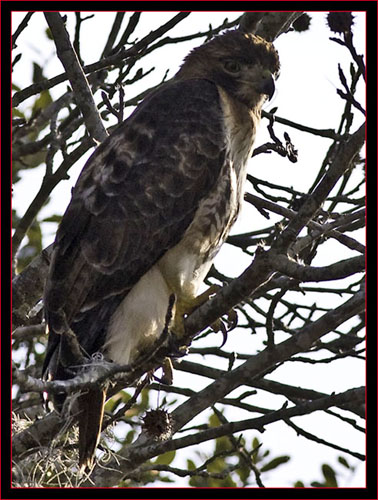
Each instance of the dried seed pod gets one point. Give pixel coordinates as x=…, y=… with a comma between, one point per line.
x=340, y=22
x=158, y=423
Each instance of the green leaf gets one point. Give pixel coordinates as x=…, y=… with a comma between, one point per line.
x=244, y=473
x=216, y=465
x=165, y=458
x=166, y=479
x=256, y=446
x=37, y=73
x=33, y=246
x=113, y=403
x=42, y=101
x=343, y=462
x=16, y=87
x=198, y=482
x=15, y=218
x=129, y=437
x=16, y=113
x=53, y=218
x=316, y=484
x=299, y=484
x=228, y=482
x=190, y=464
x=275, y=463
x=222, y=444
x=214, y=421
x=29, y=161
x=330, y=475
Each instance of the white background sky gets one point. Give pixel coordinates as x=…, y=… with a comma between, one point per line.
x=305, y=94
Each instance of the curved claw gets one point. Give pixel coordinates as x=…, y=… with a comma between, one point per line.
x=224, y=333
x=219, y=326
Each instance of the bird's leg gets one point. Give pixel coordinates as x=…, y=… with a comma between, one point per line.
x=185, y=307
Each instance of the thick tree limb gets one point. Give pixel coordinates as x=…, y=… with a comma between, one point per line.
x=262, y=361
x=76, y=76
x=38, y=434
x=293, y=393
x=301, y=272
x=27, y=287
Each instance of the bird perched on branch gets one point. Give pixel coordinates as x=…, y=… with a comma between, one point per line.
x=150, y=211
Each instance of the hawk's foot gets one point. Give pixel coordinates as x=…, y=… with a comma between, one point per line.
x=185, y=307
x=219, y=325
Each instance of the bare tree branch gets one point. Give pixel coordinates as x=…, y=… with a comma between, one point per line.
x=75, y=74
x=49, y=182
x=141, y=450
x=21, y=28
x=301, y=272
x=259, y=363
x=319, y=229
x=136, y=50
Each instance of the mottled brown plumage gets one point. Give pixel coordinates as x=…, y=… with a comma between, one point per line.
x=151, y=209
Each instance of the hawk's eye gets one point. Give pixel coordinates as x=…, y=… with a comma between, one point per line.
x=232, y=66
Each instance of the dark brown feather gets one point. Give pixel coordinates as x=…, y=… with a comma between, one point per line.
x=91, y=412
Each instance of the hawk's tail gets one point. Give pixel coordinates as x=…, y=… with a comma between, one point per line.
x=91, y=411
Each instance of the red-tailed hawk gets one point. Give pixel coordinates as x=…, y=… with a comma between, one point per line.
x=151, y=209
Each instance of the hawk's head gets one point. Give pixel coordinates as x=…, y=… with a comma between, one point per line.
x=245, y=65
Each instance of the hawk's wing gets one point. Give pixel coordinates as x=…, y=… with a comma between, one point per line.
x=133, y=201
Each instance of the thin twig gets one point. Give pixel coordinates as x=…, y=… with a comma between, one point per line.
x=312, y=437
x=21, y=28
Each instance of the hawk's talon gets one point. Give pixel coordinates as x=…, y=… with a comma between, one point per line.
x=219, y=325
x=175, y=350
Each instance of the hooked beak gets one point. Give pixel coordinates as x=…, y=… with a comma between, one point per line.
x=267, y=85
